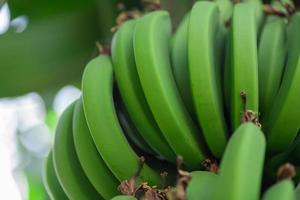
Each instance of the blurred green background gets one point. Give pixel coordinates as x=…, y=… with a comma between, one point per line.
x=44, y=46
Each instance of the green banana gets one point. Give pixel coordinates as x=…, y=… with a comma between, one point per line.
x=179, y=59
x=203, y=67
x=93, y=165
x=123, y=197
x=66, y=164
x=226, y=9
x=201, y=186
x=259, y=14
x=243, y=62
x=242, y=165
x=52, y=185
x=132, y=94
x=97, y=86
x=151, y=48
x=283, y=190
x=283, y=122
x=271, y=61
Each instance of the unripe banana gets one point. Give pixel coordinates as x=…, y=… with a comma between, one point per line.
x=243, y=63
x=93, y=165
x=283, y=190
x=201, y=186
x=131, y=91
x=242, y=165
x=259, y=15
x=271, y=61
x=204, y=74
x=97, y=88
x=226, y=9
x=68, y=169
x=283, y=122
x=151, y=48
x=179, y=60
x=52, y=185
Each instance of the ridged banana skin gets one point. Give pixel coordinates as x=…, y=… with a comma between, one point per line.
x=244, y=62
x=201, y=186
x=283, y=190
x=131, y=91
x=203, y=67
x=52, y=185
x=242, y=165
x=93, y=165
x=226, y=11
x=151, y=48
x=179, y=58
x=67, y=167
x=271, y=61
x=259, y=14
x=123, y=197
x=283, y=123
x=97, y=88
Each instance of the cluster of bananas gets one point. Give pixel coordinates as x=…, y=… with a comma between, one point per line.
x=225, y=86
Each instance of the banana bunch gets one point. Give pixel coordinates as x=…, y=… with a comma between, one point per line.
x=160, y=111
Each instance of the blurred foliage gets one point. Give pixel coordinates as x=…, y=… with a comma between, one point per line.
x=59, y=41
x=50, y=52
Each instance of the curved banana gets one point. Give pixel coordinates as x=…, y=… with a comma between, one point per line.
x=123, y=197
x=243, y=63
x=52, y=185
x=283, y=190
x=93, y=165
x=97, y=88
x=179, y=59
x=151, y=48
x=68, y=169
x=242, y=165
x=271, y=61
x=283, y=122
x=201, y=186
x=259, y=14
x=131, y=91
x=226, y=9
x=203, y=67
